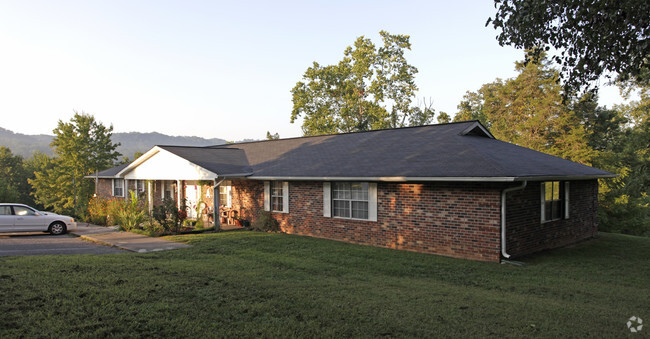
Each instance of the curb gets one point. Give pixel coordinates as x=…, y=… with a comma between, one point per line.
x=105, y=243
x=136, y=245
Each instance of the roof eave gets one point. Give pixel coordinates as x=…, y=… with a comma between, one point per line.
x=433, y=179
x=90, y=176
x=566, y=177
x=386, y=179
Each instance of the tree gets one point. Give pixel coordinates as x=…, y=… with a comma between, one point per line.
x=13, y=178
x=592, y=37
x=529, y=111
x=81, y=146
x=371, y=88
x=270, y=136
x=444, y=118
x=626, y=199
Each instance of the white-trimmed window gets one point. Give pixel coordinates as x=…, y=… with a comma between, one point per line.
x=139, y=184
x=167, y=191
x=118, y=187
x=225, y=193
x=554, y=200
x=350, y=200
x=276, y=196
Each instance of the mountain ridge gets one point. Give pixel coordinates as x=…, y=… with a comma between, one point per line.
x=130, y=142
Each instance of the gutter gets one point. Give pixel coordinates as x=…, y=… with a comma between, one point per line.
x=503, y=216
x=431, y=179
x=387, y=179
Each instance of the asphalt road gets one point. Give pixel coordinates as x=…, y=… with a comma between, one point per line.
x=45, y=244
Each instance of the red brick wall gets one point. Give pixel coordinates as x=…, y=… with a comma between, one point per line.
x=105, y=188
x=248, y=197
x=453, y=219
x=527, y=234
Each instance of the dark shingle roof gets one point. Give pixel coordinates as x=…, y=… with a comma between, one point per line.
x=108, y=173
x=456, y=150
x=217, y=160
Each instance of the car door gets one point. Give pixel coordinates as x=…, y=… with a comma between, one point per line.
x=6, y=219
x=26, y=219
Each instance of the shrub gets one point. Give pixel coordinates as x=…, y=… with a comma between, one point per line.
x=265, y=222
x=114, y=206
x=98, y=211
x=132, y=214
x=169, y=216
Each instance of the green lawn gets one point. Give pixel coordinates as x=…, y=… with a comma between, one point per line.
x=276, y=285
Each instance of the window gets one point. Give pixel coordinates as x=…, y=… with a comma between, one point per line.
x=350, y=200
x=276, y=196
x=5, y=210
x=139, y=184
x=118, y=187
x=167, y=190
x=19, y=210
x=225, y=193
x=555, y=200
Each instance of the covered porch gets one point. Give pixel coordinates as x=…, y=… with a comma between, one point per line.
x=197, y=178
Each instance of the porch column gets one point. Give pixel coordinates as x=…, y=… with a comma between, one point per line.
x=149, y=196
x=126, y=189
x=216, y=215
x=178, y=194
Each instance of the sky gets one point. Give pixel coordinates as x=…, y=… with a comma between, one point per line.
x=222, y=69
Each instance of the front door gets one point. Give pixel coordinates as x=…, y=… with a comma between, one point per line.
x=191, y=198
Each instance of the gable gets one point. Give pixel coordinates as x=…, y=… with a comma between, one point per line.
x=160, y=164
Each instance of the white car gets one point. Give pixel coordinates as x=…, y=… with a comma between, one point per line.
x=22, y=218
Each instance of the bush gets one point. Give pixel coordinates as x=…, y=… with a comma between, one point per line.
x=98, y=211
x=265, y=222
x=132, y=214
x=114, y=207
x=169, y=216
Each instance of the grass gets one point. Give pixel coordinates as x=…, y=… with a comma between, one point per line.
x=249, y=284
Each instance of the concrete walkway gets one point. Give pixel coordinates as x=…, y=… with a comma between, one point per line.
x=110, y=236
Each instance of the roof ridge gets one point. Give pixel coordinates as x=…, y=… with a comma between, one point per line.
x=347, y=133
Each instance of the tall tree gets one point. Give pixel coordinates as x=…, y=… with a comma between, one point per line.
x=621, y=136
x=529, y=111
x=81, y=146
x=13, y=178
x=370, y=88
x=592, y=37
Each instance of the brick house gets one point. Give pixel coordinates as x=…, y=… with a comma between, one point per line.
x=449, y=189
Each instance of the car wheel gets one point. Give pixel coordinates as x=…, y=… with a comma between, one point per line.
x=57, y=228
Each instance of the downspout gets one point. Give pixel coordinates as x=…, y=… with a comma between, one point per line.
x=216, y=216
x=503, y=216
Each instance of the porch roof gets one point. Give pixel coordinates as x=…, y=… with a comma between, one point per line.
x=186, y=163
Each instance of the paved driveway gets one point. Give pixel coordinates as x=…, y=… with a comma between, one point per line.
x=45, y=244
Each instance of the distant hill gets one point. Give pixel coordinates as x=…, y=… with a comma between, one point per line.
x=25, y=145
